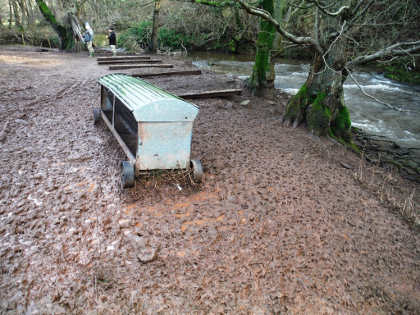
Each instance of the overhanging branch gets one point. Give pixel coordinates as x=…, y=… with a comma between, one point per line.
x=214, y=3
x=268, y=17
x=359, y=12
x=374, y=98
x=323, y=9
x=395, y=50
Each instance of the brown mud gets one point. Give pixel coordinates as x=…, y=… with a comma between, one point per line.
x=283, y=222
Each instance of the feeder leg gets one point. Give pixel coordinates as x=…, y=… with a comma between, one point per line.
x=96, y=115
x=197, y=170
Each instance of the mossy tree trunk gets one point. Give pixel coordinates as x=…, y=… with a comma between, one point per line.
x=320, y=101
x=64, y=32
x=155, y=28
x=262, y=77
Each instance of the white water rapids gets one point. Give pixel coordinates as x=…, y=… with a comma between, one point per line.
x=365, y=113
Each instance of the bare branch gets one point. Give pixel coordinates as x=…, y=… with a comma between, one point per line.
x=316, y=26
x=385, y=24
x=212, y=3
x=374, y=98
x=300, y=6
x=358, y=13
x=324, y=8
x=329, y=48
x=295, y=10
x=388, y=52
x=268, y=17
x=357, y=7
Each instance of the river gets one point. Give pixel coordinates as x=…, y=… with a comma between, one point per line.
x=365, y=113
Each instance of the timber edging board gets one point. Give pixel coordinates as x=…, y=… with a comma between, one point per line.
x=114, y=58
x=162, y=74
x=124, y=67
x=111, y=62
x=209, y=94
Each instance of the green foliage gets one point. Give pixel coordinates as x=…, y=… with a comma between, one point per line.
x=143, y=32
x=232, y=46
x=53, y=42
x=204, y=27
x=404, y=69
x=136, y=37
x=193, y=27
x=140, y=36
x=399, y=73
x=42, y=37
x=35, y=35
x=100, y=40
x=169, y=38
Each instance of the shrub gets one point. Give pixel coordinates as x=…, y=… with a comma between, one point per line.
x=140, y=36
x=170, y=39
x=36, y=35
x=100, y=40
x=402, y=70
x=215, y=29
x=136, y=37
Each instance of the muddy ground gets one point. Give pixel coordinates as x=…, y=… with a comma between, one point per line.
x=283, y=222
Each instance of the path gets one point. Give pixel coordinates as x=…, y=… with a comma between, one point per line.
x=277, y=226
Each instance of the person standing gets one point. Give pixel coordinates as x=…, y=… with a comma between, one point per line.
x=112, y=41
x=88, y=39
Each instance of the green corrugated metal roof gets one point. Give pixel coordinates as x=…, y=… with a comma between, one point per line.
x=138, y=95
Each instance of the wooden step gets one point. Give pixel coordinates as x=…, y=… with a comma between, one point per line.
x=170, y=73
x=211, y=94
x=115, y=62
x=138, y=66
x=116, y=58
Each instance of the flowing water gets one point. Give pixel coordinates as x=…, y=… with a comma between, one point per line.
x=367, y=114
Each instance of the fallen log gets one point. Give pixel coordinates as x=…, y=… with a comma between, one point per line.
x=162, y=74
x=125, y=67
x=129, y=57
x=129, y=61
x=210, y=94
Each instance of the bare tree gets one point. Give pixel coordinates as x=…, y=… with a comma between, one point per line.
x=262, y=77
x=320, y=101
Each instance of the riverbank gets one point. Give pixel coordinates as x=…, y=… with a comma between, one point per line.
x=283, y=221
x=388, y=154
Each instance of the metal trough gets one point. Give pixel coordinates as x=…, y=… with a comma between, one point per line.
x=153, y=127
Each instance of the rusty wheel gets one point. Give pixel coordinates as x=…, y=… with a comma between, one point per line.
x=197, y=170
x=127, y=177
